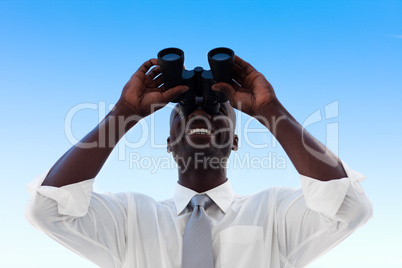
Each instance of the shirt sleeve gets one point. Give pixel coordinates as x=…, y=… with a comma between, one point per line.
x=314, y=219
x=72, y=200
x=326, y=197
x=90, y=224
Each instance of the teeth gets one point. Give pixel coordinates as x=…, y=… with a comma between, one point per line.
x=201, y=131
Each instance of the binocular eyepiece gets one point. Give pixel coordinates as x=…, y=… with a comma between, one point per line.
x=199, y=81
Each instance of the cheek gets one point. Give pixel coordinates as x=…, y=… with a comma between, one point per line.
x=225, y=126
x=224, y=136
x=177, y=126
x=177, y=133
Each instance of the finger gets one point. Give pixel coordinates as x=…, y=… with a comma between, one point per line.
x=154, y=72
x=239, y=72
x=244, y=65
x=150, y=76
x=172, y=93
x=153, y=79
x=225, y=88
x=147, y=65
x=151, y=83
x=158, y=80
x=236, y=85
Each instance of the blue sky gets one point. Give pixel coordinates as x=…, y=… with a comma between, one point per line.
x=341, y=55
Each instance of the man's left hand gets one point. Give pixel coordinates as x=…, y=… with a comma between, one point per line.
x=250, y=92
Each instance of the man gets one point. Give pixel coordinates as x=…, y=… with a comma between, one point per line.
x=278, y=227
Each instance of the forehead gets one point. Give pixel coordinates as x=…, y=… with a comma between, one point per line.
x=226, y=105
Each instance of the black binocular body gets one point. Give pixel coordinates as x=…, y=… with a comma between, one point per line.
x=199, y=81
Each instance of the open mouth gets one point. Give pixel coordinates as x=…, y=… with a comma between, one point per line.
x=199, y=131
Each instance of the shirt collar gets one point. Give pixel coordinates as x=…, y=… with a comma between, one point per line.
x=222, y=195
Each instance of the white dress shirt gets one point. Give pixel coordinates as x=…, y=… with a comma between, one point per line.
x=277, y=227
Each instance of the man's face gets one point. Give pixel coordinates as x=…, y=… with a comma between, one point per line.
x=200, y=132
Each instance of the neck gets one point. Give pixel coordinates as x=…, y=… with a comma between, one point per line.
x=202, y=177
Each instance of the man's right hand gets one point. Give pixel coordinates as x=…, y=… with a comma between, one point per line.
x=144, y=92
x=142, y=95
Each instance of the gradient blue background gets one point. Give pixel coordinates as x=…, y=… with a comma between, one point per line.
x=55, y=55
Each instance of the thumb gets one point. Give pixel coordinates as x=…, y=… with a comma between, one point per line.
x=225, y=88
x=172, y=93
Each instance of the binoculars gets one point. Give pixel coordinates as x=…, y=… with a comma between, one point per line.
x=200, y=94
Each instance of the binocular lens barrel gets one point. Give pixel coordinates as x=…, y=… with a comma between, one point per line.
x=170, y=57
x=199, y=81
x=171, y=62
x=221, y=61
x=220, y=56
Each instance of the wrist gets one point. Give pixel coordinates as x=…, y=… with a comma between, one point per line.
x=125, y=114
x=272, y=113
x=268, y=109
x=123, y=108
